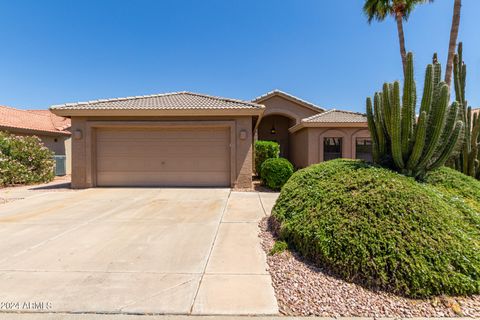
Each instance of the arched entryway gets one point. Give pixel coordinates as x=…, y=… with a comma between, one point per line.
x=275, y=128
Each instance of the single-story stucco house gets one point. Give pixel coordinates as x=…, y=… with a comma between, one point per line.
x=190, y=139
x=51, y=129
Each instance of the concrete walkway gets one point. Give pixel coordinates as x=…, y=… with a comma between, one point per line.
x=136, y=251
x=10, y=194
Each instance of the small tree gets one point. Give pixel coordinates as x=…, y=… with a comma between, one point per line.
x=24, y=160
x=401, y=142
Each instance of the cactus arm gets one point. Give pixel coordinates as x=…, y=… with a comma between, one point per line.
x=449, y=146
x=450, y=121
x=379, y=124
x=408, y=108
x=462, y=73
x=463, y=81
x=437, y=71
x=427, y=90
x=456, y=79
x=436, y=124
x=373, y=131
x=396, y=136
x=387, y=109
x=473, y=162
x=419, y=144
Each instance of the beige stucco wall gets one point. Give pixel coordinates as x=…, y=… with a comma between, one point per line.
x=62, y=146
x=286, y=113
x=83, y=150
x=299, y=149
x=315, y=136
x=57, y=144
x=283, y=106
x=68, y=155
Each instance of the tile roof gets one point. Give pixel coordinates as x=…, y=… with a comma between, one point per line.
x=174, y=100
x=60, y=123
x=291, y=97
x=334, y=116
x=35, y=120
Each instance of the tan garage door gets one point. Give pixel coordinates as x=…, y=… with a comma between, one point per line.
x=197, y=156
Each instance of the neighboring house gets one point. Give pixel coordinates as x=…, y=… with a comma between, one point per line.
x=52, y=130
x=190, y=139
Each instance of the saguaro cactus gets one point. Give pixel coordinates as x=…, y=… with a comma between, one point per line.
x=400, y=141
x=467, y=159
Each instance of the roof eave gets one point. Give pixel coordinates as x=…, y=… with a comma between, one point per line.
x=157, y=112
x=288, y=97
x=303, y=125
x=34, y=131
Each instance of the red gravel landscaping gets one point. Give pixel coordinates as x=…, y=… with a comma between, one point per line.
x=305, y=290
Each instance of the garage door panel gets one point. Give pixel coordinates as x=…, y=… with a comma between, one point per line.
x=138, y=164
x=162, y=149
x=196, y=156
x=169, y=179
x=172, y=134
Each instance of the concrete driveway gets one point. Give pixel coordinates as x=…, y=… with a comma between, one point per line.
x=166, y=251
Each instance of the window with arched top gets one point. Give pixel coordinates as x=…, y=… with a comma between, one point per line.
x=332, y=144
x=362, y=145
x=332, y=148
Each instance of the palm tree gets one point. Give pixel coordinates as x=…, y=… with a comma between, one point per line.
x=453, y=40
x=399, y=9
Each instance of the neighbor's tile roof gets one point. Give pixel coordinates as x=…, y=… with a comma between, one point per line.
x=36, y=120
x=175, y=100
x=332, y=116
x=60, y=123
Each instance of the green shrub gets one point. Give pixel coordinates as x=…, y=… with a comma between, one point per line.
x=24, y=160
x=458, y=189
x=265, y=150
x=275, y=172
x=383, y=230
x=278, y=247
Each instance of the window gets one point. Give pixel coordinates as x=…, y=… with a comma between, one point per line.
x=363, y=149
x=332, y=148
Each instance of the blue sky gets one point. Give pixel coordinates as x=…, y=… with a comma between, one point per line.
x=62, y=51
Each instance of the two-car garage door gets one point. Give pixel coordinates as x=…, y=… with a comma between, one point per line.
x=177, y=156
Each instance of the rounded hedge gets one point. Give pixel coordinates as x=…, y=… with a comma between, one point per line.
x=265, y=150
x=382, y=230
x=275, y=172
x=24, y=160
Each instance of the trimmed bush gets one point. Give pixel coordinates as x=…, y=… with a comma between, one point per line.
x=24, y=160
x=265, y=150
x=383, y=230
x=275, y=172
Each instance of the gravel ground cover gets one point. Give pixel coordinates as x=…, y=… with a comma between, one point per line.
x=305, y=290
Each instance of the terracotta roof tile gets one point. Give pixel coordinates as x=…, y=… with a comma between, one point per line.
x=333, y=116
x=175, y=100
x=277, y=92
x=36, y=120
